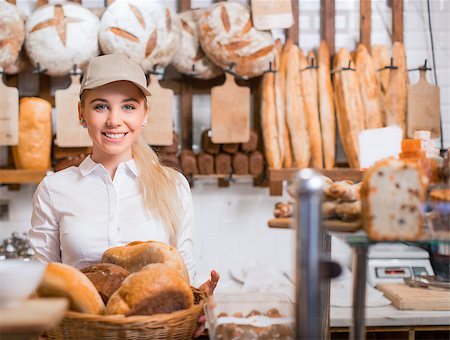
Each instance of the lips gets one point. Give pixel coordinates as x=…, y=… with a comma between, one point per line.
x=114, y=136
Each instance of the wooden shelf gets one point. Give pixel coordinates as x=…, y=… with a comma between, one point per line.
x=19, y=176
x=277, y=176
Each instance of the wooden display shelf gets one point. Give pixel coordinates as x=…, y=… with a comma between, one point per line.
x=20, y=176
x=277, y=176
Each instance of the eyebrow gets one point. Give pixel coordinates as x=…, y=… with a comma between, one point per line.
x=126, y=100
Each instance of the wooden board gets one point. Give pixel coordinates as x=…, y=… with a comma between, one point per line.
x=423, y=108
x=69, y=132
x=159, y=129
x=34, y=316
x=330, y=225
x=405, y=297
x=9, y=115
x=269, y=14
x=15, y=176
x=230, y=112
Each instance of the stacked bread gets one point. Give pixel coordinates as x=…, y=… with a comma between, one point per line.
x=141, y=278
x=12, y=34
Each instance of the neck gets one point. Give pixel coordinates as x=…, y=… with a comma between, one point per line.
x=110, y=162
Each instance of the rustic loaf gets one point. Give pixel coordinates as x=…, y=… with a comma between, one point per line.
x=147, y=32
x=227, y=36
x=35, y=134
x=190, y=58
x=391, y=193
x=60, y=36
x=61, y=280
x=12, y=34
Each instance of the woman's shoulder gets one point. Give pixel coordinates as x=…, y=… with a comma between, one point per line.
x=62, y=177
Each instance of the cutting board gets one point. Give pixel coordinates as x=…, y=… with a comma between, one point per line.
x=423, y=107
x=269, y=14
x=9, y=115
x=69, y=132
x=330, y=225
x=159, y=129
x=405, y=297
x=230, y=112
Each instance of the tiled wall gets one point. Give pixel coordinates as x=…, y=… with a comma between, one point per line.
x=230, y=225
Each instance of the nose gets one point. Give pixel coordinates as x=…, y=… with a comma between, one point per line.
x=114, y=118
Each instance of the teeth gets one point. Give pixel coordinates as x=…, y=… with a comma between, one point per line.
x=115, y=135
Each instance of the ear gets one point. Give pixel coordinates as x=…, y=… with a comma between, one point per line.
x=80, y=111
x=145, y=120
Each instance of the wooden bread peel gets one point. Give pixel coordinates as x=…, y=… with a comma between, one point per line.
x=330, y=225
x=9, y=115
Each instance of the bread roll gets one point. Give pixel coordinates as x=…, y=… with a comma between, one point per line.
x=279, y=100
x=35, y=134
x=155, y=289
x=282, y=70
x=171, y=160
x=296, y=111
x=208, y=145
x=240, y=163
x=381, y=58
x=205, y=163
x=190, y=58
x=227, y=36
x=346, y=211
x=256, y=163
x=345, y=191
x=230, y=147
x=311, y=102
x=188, y=163
x=12, y=34
x=60, y=36
x=370, y=88
x=61, y=280
x=106, y=277
x=223, y=164
x=147, y=32
x=136, y=255
x=326, y=106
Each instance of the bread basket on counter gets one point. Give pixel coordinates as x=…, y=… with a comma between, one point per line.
x=177, y=325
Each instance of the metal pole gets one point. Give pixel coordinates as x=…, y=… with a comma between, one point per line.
x=309, y=314
x=358, y=330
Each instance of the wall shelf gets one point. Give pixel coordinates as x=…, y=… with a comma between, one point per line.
x=20, y=176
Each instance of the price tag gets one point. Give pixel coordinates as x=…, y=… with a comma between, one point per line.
x=269, y=14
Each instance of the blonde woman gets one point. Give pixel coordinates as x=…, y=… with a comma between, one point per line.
x=120, y=193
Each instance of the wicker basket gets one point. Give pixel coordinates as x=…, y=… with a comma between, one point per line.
x=176, y=325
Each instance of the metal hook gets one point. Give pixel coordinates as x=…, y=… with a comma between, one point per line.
x=230, y=178
x=154, y=70
x=312, y=66
x=75, y=70
x=271, y=69
x=423, y=67
x=192, y=73
x=391, y=66
x=38, y=69
x=230, y=69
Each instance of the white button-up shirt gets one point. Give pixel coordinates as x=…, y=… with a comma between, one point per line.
x=80, y=212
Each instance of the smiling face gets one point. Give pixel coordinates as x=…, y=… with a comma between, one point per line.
x=114, y=115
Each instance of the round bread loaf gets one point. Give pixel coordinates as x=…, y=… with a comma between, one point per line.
x=227, y=36
x=12, y=34
x=156, y=289
x=60, y=36
x=146, y=31
x=136, y=255
x=190, y=58
x=106, y=277
x=61, y=280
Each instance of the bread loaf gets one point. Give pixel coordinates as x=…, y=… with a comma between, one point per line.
x=381, y=58
x=256, y=163
x=252, y=143
x=296, y=112
x=61, y=280
x=12, y=34
x=172, y=148
x=171, y=160
x=326, y=106
x=106, y=278
x=310, y=98
x=35, y=134
x=147, y=32
x=227, y=36
x=188, y=163
x=350, y=110
x=240, y=163
x=346, y=211
x=223, y=164
x=282, y=70
x=60, y=36
x=230, y=147
x=136, y=255
x=392, y=192
x=205, y=163
x=190, y=58
x=208, y=145
x=370, y=88
x=279, y=100
x=155, y=289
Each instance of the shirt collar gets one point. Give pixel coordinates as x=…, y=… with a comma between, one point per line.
x=88, y=165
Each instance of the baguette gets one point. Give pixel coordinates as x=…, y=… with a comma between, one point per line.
x=350, y=110
x=279, y=100
x=326, y=106
x=287, y=161
x=310, y=98
x=380, y=55
x=296, y=112
x=369, y=86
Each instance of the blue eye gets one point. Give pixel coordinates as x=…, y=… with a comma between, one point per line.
x=101, y=107
x=128, y=107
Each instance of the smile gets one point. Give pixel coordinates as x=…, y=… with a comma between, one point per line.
x=115, y=136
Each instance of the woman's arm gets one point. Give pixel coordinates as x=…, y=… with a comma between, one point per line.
x=44, y=232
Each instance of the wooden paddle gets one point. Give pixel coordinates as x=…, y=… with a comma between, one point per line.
x=9, y=115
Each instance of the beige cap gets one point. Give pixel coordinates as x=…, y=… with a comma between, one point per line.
x=109, y=68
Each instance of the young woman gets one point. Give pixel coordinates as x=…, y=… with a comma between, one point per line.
x=120, y=193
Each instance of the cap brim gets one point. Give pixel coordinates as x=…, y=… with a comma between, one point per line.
x=106, y=80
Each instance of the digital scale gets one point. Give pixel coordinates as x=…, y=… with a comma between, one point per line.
x=392, y=262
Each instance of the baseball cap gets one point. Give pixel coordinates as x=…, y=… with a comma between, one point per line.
x=109, y=68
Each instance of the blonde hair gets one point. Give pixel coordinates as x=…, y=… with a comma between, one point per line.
x=158, y=186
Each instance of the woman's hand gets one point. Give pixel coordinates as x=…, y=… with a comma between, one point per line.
x=208, y=287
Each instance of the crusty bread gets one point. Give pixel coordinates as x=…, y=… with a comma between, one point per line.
x=279, y=100
x=156, y=288
x=392, y=192
x=345, y=191
x=310, y=99
x=136, y=255
x=61, y=280
x=349, y=107
x=296, y=112
x=346, y=211
x=395, y=99
x=106, y=277
x=12, y=34
x=35, y=134
x=381, y=58
x=326, y=106
x=282, y=69
x=227, y=36
x=370, y=88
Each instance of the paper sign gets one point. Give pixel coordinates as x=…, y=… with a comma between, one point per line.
x=377, y=144
x=9, y=115
x=268, y=14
